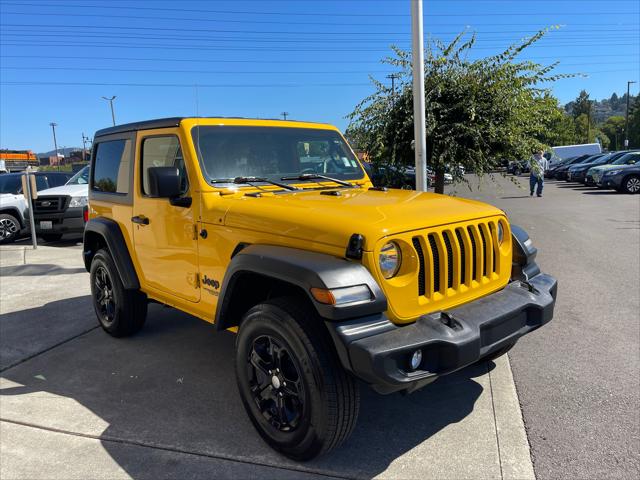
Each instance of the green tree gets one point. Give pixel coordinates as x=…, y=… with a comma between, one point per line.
x=582, y=104
x=478, y=111
x=634, y=124
x=613, y=127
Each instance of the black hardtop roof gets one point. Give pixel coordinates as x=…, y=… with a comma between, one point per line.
x=162, y=123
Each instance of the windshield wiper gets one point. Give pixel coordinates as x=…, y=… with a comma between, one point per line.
x=251, y=180
x=317, y=176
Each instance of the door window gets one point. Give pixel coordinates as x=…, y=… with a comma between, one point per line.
x=112, y=166
x=163, y=151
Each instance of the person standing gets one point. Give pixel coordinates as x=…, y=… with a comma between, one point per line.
x=537, y=166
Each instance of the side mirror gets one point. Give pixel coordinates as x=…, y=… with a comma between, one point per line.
x=164, y=182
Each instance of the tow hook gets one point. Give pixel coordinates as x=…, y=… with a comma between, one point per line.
x=448, y=320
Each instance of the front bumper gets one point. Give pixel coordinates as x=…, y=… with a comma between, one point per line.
x=378, y=351
x=578, y=176
x=610, y=181
x=69, y=221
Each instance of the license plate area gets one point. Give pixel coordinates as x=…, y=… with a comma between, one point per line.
x=46, y=224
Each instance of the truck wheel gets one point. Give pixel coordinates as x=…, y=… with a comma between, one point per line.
x=51, y=237
x=293, y=387
x=120, y=312
x=631, y=184
x=9, y=228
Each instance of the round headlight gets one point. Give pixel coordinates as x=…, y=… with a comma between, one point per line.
x=390, y=259
x=500, y=233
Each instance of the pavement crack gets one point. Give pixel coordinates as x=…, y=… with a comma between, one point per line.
x=173, y=449
x=34, y=355
x=495, y=423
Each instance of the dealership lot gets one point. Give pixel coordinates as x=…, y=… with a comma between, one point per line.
x=77, y=403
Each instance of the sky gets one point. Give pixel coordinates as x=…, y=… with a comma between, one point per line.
x=310, y=58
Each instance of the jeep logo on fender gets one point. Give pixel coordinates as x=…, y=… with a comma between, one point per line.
x=211, y=283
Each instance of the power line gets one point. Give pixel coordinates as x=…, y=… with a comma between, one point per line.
x=303, y=14
x=143, y=36
x=225, y=61
x=278, y=49
x=392, y=76
x=230, y=85
x=535, y=27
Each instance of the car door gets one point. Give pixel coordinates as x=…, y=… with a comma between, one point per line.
x=164, y=230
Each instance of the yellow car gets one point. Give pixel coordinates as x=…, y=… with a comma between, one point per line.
x=273, y=229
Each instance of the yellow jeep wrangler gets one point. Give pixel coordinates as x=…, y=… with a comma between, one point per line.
x=273, y=229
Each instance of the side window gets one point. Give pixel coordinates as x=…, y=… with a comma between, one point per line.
x=163, y=152
x=112, y=166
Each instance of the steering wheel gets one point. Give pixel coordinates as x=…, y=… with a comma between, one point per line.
x=308, y=170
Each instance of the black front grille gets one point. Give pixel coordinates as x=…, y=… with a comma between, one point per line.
x=436, y=262
x=474, y=253
x=484, y=252
x=421, y=277
x=463, y=258
x=50, y=204
x=447, y=244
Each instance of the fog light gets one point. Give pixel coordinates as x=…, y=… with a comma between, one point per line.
x=416, y=359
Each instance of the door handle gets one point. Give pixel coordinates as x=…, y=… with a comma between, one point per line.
x=140, y=220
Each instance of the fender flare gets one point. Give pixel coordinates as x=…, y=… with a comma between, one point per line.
x=305, y=270
x=14, y=212
x=111, y=233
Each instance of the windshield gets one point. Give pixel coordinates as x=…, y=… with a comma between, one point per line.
x=80, y=178
x=628, y=159
x=226, y=152
x=10, y=184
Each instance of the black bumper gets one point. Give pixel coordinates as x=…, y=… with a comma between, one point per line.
x=69, y=221
x=378, y=351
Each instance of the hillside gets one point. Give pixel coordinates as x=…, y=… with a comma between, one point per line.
x=608, y=107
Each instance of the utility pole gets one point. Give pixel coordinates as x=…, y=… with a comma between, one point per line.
x=419, y=120
x=55, y=142
x=113, y=115
x=626, y=121
x=393, y=78
x=85, y=140
x=284, y=115
x=589, y=122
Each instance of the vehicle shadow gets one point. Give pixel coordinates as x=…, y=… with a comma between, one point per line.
x=603, y=192
x=172, y=386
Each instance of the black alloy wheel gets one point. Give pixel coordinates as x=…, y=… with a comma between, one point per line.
x=275, y=383
x=104, y=296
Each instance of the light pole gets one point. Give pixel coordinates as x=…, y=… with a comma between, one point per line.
x=626, y=121
x=55, y=142
x=419, y=120
x=113, y=115
x=85, y=139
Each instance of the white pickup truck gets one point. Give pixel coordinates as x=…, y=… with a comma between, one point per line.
x=13, y=204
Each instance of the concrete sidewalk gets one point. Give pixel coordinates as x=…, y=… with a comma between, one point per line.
x=76, y=403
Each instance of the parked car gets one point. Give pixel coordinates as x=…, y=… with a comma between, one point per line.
x=578, y=173
x=399, y=177
x=328, y=282
x=562, y=171
x=551, y=171
x=13, y=205
x=625, y=178
x=595, y=173
x=62, y=210
x=518, y=167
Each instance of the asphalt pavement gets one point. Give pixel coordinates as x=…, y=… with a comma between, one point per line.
x=578, y=378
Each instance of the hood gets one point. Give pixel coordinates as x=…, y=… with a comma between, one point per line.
x=601, y=168
x=330, y=219
x=71, y=190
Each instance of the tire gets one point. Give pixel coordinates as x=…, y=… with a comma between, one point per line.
x=120, y=312
x=9, y=228
x=318, y=409
x=631, y=184
x=51, y=237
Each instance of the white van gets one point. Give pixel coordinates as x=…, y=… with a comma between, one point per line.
x=568, y=151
